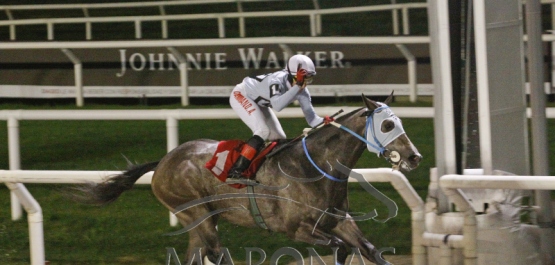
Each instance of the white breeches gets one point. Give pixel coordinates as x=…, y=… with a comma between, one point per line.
x=261, y=120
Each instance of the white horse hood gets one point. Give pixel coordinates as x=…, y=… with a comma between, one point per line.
x=374, y=133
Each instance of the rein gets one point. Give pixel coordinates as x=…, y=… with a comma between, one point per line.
x=376, y=145
x=316, y=166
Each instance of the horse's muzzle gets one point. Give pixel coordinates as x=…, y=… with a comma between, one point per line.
x=415, y=159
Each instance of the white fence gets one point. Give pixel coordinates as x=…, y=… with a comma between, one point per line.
x=170, y=116
x=14, y=177
x=36, y=232
x=313, y=15
x=451, y=185
x=411, y=89
x=20, y=195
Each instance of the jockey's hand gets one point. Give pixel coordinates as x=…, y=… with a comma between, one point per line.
x=328, y=120
x=301, y=73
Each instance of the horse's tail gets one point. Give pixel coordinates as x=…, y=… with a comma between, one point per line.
x=109, y=190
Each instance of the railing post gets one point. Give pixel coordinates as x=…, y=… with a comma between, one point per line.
x=14, y=157
x=184, y=82
x=445, y=255
x=242, y=33
x=221, y=27
x=313, y=24
x=164, y=23
x=172, y=135
x=50, y=30
x=88, y=30
x=183, y=74
x=395, y=18
x=78, y=71
x=540, y=150
x=164, y=29
x=88, y=25
x=12, y=27
x=552, y=88
x=34, y=220
x=411, y=64
x=318, y=18
x=138, y=30
x=406, y=28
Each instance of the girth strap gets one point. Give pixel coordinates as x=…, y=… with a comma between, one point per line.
x=255, y=211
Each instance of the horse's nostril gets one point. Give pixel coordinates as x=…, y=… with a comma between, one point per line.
x=415, y=158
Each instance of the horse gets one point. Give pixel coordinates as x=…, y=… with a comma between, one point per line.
x=292, y=195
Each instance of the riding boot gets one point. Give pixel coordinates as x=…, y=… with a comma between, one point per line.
x=248, y=153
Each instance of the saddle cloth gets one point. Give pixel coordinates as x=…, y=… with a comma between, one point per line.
x=227, y=153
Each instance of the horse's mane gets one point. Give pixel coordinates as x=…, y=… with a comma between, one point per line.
x=349, y=115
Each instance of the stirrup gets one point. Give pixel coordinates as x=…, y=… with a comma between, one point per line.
x=234, y=174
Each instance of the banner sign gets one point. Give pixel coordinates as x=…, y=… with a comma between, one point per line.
x=157, y=69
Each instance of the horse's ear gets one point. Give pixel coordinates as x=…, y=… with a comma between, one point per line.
x=370, y=104
x=389, y=99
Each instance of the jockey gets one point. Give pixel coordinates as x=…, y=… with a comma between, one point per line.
x=253, y=98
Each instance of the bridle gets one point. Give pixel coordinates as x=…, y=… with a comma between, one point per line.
x=375, y=139
x=381, y=139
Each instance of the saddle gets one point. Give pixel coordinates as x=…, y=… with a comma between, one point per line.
x=227, y=153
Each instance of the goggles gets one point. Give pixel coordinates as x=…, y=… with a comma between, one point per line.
x=308, y=79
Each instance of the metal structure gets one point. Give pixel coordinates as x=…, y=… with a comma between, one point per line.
x=313, y=15
x=452, y=184
x=498, y=31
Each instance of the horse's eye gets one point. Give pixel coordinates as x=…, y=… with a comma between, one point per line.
x=388, y=126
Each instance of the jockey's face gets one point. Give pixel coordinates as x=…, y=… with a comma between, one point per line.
x=307, y=79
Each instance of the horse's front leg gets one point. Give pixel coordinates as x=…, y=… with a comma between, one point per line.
x=309, y=234
x=348, y=231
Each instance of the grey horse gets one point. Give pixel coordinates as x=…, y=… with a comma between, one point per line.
x=188, y=189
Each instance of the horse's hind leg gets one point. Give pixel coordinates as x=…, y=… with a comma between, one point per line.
x=203, y=237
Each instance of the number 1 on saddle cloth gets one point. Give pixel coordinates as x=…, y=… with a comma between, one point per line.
x=225, y=156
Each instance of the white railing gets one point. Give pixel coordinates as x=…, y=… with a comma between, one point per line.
x=451, y=185
x=36, y=231
x=410, y=89
x=313, y=15
x=14, y=177
x=170, y=116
